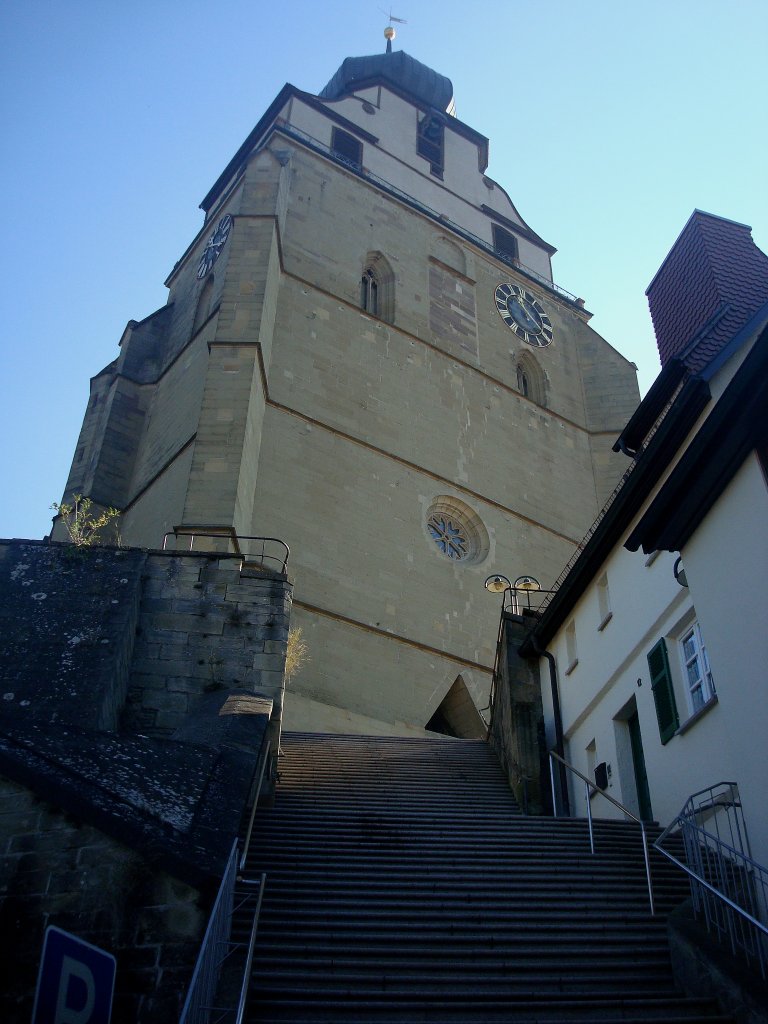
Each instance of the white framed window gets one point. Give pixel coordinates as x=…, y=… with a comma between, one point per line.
x=604, y=602
x=697, y=675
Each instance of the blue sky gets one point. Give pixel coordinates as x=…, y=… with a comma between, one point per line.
x=609, y=123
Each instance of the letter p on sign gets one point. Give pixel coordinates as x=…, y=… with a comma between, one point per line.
x=75, y=983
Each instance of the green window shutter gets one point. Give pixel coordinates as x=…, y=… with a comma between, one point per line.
x=663, y=694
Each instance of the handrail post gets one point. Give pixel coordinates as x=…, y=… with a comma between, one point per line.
x=589, y=818
x=648, y=868
x=625, y=810
x=243, y=1000
x=257, y=793
x=552, y=783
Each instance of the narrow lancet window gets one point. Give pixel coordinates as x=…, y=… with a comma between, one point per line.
x=369, y=293
x=377, y=287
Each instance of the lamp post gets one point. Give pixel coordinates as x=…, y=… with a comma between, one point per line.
x=498, y=584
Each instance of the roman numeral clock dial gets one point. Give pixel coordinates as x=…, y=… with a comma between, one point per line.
x=213, y=246
x=524, y=315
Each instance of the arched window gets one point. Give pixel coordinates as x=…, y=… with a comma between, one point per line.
x=369, y=292
x=377, y=287
x=531, y=381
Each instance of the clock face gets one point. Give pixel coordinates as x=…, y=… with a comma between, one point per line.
x=214, y=245
x=523, y=314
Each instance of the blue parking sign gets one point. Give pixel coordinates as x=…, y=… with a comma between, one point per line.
x=75, y=983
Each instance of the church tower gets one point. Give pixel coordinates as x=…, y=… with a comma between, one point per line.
x=364, y=354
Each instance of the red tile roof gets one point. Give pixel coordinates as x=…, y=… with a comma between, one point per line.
x=712, y=281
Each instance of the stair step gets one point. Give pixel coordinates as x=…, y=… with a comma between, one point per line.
x=475, y=1008
x=386, y=931
x=404, y=885
x=507, y=975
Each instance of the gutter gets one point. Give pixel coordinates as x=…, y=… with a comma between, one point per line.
x=559, y=747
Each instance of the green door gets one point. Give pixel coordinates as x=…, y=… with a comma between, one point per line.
x=638, y=762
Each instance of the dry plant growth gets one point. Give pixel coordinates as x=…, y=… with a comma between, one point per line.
x=296, y=655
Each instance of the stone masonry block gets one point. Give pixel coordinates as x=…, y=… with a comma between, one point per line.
x=144, y=666
x=148, y=681
x=193, y=685
x=273, y=663
x=275, y=647
x=191, y=606
x=151, y=605
x=167, y=701
x=269, y=680
x=174, y=651
x=167, y=721
x=206, y=624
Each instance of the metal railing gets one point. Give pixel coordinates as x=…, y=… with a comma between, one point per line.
x=729, y=889
x=251, y=551
x=288, y=129
x=519, y=600
x=589, y=785
x=254, y=804
x=235, y=893
x=246, y=982
x=214, y=950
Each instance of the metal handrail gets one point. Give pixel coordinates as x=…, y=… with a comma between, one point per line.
x=589, y=784
x=243, y=1000
x=205, y=976
x=257, y=794
x=708, y=850
x=234, y=538
x=702, y=881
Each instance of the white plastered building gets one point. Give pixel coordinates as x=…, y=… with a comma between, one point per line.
x=658, y=627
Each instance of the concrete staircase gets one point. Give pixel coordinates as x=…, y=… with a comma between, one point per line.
x=404, y=885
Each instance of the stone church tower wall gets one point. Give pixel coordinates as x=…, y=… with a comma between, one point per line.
x=272, y=398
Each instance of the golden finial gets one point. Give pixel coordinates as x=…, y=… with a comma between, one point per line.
x=389, y=31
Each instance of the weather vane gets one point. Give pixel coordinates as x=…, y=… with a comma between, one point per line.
x=389, y=31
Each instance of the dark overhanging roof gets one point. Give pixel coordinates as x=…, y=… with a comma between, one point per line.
x=403, y=73
x=737, y=424
x=630, y=440
x=252, y=139
x=406, y=73
x=671, y=433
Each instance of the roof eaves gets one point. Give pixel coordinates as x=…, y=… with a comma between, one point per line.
x=631, y=438
x=756, y=323
x=520, y=229
x=736, y=425
x=250, y=143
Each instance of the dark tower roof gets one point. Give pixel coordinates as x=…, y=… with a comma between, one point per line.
x=399, y=70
